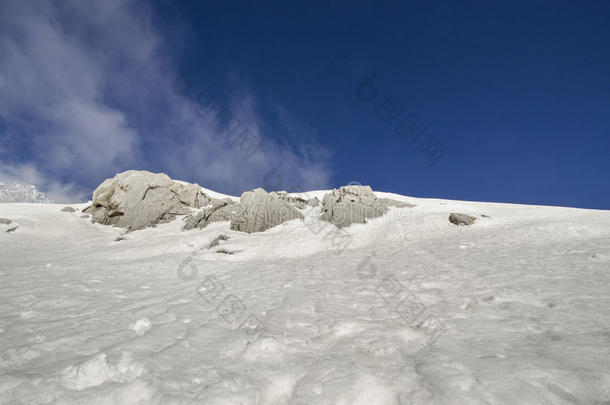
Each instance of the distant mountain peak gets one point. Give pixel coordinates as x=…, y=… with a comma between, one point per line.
x=21, y=193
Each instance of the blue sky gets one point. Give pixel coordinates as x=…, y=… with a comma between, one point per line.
x=488, y=101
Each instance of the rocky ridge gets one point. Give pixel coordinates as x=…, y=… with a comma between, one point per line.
x=139, y=199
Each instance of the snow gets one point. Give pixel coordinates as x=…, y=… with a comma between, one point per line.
x=406, y=309
x=21, y=193
x=141, y=326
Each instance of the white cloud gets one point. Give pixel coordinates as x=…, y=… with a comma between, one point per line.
x=54, y=91
x=88, y=86
x=87, y=135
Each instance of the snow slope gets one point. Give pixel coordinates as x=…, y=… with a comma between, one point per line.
x=407, y=309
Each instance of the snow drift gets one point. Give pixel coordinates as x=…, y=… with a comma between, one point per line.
x=406, y=308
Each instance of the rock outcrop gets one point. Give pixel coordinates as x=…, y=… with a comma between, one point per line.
x=68, y=209
x=221, y=210
x=5, y=221
x=139, y=199
x=298, y=202
x=260, y=211
x=355, y=204
x=313, y=202
x=461, y=219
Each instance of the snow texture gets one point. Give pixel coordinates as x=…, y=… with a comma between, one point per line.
x=405, y=309
x=21, y=193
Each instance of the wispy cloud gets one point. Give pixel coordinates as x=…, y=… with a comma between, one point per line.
x=86, y=91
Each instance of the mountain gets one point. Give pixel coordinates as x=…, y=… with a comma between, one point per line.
x=407, y=308
x=21, y=193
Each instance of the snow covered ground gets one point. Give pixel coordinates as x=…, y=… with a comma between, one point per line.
x=407, y=309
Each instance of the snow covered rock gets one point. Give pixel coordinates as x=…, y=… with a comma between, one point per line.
x=5, y=221
x=221, y=210
x=298, y=202
x=461, y=219
x=313, y=202
x=217, y=240
x=68, y=209
x=225, y=252
x=354, y=204
x=21, y=193
x=260, y=211
x=393, y=203
x=140, y=199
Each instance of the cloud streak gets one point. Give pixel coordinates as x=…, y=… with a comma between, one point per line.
x=86, y=91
